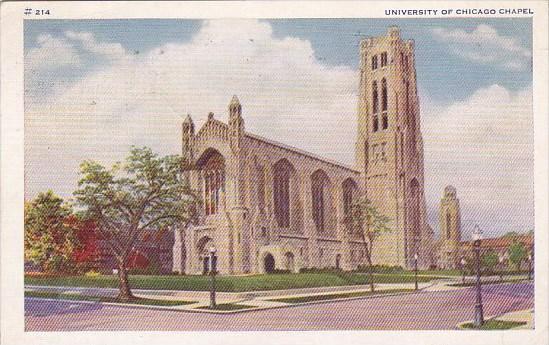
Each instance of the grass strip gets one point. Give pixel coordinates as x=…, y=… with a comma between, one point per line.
x=228, y=306
x=304, y=299
x=495, y=325
x=75, y=297
x=227, y=283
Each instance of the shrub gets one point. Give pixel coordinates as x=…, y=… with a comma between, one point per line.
x=320, y=270
x=92, y=274
x=379, y=269
x=489, y=260
x=153, y=267
x=149, y=270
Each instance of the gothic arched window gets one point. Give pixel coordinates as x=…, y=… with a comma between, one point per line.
x=448, y=224
x=260, y=187
x=414, y=213
x=281, y=193
x=383, y=59
x=375, y=107
x=320, y=199
x=384, y=120
x=383, y=94
x=213, y=174
x=375, y=101
x=349, y=192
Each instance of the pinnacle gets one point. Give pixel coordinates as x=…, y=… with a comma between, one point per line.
x=188, y=119
x=234, y=100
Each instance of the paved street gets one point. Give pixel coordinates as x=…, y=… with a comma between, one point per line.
x=424, y=310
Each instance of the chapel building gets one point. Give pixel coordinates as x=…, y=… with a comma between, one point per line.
x=268, y=206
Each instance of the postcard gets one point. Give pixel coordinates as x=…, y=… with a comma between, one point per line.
x=276, y=172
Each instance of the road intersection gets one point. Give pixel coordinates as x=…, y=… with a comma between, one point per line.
x=419, y=311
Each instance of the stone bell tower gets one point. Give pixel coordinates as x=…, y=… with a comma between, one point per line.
x=389, y=148
x=450, y=229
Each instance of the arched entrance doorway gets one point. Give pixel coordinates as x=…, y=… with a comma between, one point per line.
x=289, y=261
x=202, y=249
x=269, y=263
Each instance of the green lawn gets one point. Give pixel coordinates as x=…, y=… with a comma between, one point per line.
x=435, y=272
x=226, y=283
x=455, y=272
x=228, y=306
x=304, y=299
x=141, y=301
x=495, y=325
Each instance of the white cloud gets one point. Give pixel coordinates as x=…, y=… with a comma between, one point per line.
x=484, y=147
x=286, y=93
x=63, y=59
x=485, y=45
x=51, y=52
x=111, y=51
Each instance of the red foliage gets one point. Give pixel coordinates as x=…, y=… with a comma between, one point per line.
x=87, y=251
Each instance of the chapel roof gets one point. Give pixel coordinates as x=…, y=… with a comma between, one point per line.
x=299, y=151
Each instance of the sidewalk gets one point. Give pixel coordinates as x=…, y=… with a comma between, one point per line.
x=446, y=284
x=520, y=316
x=253, y=300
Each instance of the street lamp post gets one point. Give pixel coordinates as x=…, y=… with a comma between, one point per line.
x=479, y=317
x=501, y=258
x=463, y=263
x=213, y=268
x=415, y=269
x=530, y=266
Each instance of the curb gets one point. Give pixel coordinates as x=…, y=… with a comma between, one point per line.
x=134, y=306
x=142, y=306
x=245, y=295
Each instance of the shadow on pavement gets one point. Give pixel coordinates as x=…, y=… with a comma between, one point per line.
x=47, y=308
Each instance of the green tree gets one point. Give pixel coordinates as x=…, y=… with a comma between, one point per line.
x=510, y=234
x=368, y=223
x=146, y=192
x=489, y=260
x=49, y=238
x=517, y=254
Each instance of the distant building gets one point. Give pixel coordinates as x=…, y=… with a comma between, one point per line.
x=499, y=245
x=450, y=250
x=450, y=229
x=153, y=249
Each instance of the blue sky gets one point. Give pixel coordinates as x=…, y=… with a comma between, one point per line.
x=335, y=42
x=93, y=88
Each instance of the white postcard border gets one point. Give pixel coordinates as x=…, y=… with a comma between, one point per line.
x=12, y=169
